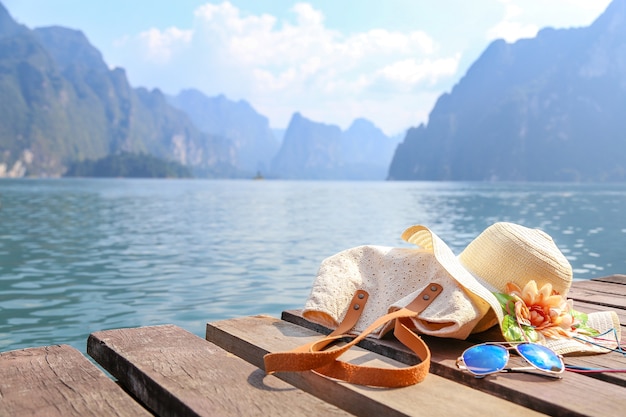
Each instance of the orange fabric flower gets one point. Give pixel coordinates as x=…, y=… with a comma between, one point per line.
x=542, y=308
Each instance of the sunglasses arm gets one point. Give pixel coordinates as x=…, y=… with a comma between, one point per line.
x=533, y=371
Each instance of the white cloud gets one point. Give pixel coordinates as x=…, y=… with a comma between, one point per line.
x=160, y=45
x=411, y=72
x=295, y=65
x=509, y=28
x=307, y=15
x=524, y=18
x=512, y=31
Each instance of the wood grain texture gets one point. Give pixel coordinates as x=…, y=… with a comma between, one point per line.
x=602, y=392
x=59, y=381
x=176, y=373
x=252, y=337
x=615, y=278
x=609, y=292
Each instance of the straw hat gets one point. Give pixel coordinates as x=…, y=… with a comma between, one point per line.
x=509, y=253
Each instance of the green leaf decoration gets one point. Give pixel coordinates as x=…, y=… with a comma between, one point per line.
x=504, y=300
x=511, y=330
x=580, y=316
x=582, y=327
x=531, y=334
x=587, y=331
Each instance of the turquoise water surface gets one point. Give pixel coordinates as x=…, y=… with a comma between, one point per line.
x=81, y=255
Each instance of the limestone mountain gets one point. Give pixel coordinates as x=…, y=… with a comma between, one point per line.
x=549, y=108
x=248, y=131
x=313, y=150
x=62, y=104
x=365, y=144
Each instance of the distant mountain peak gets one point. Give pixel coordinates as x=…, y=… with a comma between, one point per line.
x=361, y=121
x=8, y=26
x=364, y=125
x=614, y=17
x=70, y=47
x=315, y=150
x=253, y=140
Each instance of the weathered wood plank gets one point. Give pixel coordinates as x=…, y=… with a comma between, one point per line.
x=252, y=337
x=59, y=381
x=548, y=396
x=609, y=285
x=616, y=279
x=176, y=373
x=606, y=294
x=607, y=291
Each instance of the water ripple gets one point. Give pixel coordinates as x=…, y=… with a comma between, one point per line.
x=77, y=256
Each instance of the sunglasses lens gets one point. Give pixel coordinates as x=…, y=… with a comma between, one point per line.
x=541, y=357
x=485, y=359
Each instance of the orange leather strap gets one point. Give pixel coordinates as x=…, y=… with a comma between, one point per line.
x=357, y=305
x=311, y=356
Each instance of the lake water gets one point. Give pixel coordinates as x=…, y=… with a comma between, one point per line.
x=81, y=255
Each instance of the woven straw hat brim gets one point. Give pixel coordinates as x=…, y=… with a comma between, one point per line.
x=600, y=320
x=423, y=237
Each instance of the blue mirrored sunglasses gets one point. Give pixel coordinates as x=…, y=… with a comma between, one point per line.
x=490, y=358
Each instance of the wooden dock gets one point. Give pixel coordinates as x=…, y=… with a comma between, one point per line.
x=167, y=371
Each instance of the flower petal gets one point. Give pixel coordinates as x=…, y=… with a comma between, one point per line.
x=530, y=292
x=513, y=289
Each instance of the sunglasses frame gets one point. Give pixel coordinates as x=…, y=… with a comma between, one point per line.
x=460, y=362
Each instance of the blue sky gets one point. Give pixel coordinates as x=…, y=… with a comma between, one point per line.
x=332, y=61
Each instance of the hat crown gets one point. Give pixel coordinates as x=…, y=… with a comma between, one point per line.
x=507, y=252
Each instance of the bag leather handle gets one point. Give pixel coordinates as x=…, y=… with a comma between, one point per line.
x=312, y=356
